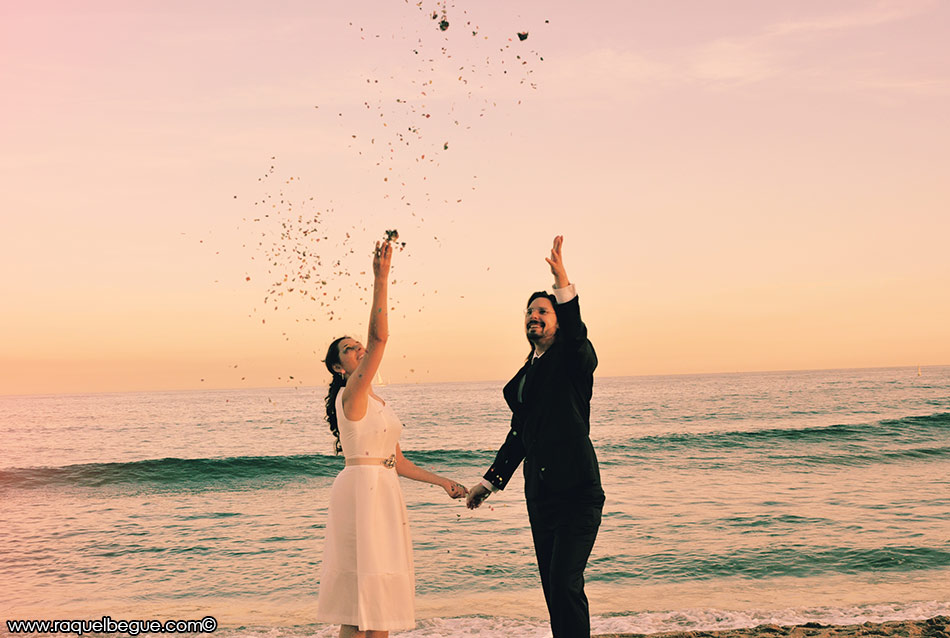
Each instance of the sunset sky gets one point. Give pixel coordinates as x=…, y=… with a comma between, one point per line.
x=742, y=185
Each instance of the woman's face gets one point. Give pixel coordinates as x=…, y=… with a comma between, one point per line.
x=351, y=351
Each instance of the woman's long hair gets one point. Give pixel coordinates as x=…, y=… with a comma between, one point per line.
x=337, y=383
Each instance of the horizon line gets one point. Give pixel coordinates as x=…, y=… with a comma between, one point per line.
x=450, y=382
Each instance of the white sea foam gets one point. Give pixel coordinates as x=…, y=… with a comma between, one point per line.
x=637, y=623
x=714, y=619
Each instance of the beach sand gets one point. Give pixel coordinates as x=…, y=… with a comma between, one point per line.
x=937, y=627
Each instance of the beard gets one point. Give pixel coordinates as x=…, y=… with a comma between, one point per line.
x=534, y=337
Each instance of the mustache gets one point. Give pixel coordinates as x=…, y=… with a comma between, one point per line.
x=535, y=322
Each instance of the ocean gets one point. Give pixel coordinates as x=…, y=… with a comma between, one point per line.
x=732, y=500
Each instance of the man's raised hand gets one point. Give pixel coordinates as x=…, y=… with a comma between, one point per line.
x=556, y=262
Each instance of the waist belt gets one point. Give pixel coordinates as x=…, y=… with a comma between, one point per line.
x=389, y=462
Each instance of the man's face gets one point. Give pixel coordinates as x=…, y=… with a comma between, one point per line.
x=540, y=320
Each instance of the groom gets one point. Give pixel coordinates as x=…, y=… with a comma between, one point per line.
x=549, y=399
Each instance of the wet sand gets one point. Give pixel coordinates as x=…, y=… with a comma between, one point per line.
x=937, y=627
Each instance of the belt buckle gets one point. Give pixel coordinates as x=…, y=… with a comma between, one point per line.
x=390, y=462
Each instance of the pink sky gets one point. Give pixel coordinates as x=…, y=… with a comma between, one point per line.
x=741, y=185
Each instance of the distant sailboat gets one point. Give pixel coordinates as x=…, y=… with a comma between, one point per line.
x=918, y=371
x=378, y=381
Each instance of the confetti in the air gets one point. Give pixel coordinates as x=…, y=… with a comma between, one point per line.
x=308, y=249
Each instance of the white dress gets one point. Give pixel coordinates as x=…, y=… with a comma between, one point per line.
x=367, y=578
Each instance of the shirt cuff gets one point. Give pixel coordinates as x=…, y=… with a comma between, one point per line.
x=565, y=294
x=489, y=486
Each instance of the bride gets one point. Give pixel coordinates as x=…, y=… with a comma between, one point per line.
x=367, y=585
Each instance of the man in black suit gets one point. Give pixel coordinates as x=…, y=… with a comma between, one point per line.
x=549, y=399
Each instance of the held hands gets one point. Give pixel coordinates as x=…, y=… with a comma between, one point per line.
x=476, y=495
x=556, y=262
x=382, y=259
x=455, y=490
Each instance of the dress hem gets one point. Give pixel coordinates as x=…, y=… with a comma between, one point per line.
x=355, y=623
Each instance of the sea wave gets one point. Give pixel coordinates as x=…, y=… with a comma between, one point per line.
x=927, y=427
x=198, y=473
x=910, y=433
x=764, y=562
x=869, y=458
x=172, y=471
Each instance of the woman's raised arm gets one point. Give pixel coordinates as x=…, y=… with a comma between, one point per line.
x=356, y=392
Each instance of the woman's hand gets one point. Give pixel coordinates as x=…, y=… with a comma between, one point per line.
x=556, y=262
x=382, y=259
x=455, y=490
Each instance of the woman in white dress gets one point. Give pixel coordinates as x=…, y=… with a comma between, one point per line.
x=367, y=585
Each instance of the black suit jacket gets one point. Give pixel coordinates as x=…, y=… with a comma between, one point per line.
x=550, y=420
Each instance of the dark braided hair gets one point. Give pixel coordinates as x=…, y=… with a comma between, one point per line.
x=337, y=382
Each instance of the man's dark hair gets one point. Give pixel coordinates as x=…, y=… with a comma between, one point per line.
x=541, y=293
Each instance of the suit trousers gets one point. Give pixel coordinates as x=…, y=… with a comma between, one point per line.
x=564, y=530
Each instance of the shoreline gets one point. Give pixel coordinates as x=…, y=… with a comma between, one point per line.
x=936, y=627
